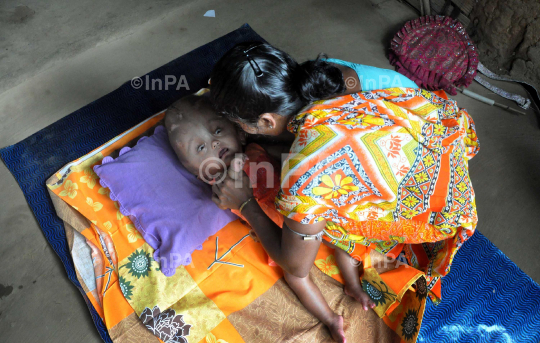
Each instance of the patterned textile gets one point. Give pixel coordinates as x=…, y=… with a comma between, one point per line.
x=207, y=301
x=387, y=169
x=435, y=52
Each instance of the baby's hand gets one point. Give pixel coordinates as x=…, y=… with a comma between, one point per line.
x=236, y=168
x=235, y=189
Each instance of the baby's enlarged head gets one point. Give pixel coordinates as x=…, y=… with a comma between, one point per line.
x=204, y=142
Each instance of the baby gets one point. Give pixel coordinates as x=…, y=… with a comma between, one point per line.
x=206, y=144
x=200, y=137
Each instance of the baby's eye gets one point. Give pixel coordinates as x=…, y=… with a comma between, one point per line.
x=200, y=148
x=218, y=131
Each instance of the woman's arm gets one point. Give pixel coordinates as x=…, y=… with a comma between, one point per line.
x=294, y=254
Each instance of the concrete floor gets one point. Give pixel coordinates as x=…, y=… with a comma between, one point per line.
x=60, y=55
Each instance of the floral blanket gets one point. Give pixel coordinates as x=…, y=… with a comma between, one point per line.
x=229, y=293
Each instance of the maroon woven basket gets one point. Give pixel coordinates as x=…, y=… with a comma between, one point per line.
x=435, y=52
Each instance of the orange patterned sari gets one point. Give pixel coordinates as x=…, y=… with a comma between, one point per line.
x=388, y=170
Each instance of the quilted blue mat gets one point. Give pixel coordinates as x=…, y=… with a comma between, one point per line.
x=33, y=160
x=486, y=297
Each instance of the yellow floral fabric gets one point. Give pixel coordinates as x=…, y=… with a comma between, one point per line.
x=386, y=169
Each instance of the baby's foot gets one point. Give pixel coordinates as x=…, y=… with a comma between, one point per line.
x=336, y=329
x=359, y=295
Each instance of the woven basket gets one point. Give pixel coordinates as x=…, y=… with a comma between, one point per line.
x=435, y=52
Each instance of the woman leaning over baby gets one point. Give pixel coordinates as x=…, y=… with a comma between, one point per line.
x=374, y=169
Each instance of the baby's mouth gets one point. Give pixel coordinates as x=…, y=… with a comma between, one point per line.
x=223, y=152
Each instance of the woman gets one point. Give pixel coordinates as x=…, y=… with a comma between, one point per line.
x=381, y=170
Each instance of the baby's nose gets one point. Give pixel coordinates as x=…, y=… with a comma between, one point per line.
x=215, y=144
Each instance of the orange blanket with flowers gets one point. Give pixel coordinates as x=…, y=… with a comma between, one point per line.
x=228, y=294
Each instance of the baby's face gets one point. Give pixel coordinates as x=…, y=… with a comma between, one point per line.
x=205, y=143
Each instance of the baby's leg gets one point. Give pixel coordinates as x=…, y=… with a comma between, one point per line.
x=349, y=270
x=311, y=297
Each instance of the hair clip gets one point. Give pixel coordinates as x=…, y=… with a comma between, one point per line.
x=256, y=69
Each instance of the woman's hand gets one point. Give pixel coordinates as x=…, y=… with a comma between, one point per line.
x=235, y=189
x=230, y=193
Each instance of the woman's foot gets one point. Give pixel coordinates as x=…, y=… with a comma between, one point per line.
x=336, y=329
x=359, y=295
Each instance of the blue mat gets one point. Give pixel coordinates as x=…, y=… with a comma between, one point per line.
x=486, y=297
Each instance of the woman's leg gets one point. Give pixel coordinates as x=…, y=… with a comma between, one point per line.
x=348, y=267
x=311, y=297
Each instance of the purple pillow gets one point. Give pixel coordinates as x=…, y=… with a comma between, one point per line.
x=170, y=207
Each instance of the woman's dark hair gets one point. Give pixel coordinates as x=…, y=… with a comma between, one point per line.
x=256, y=78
